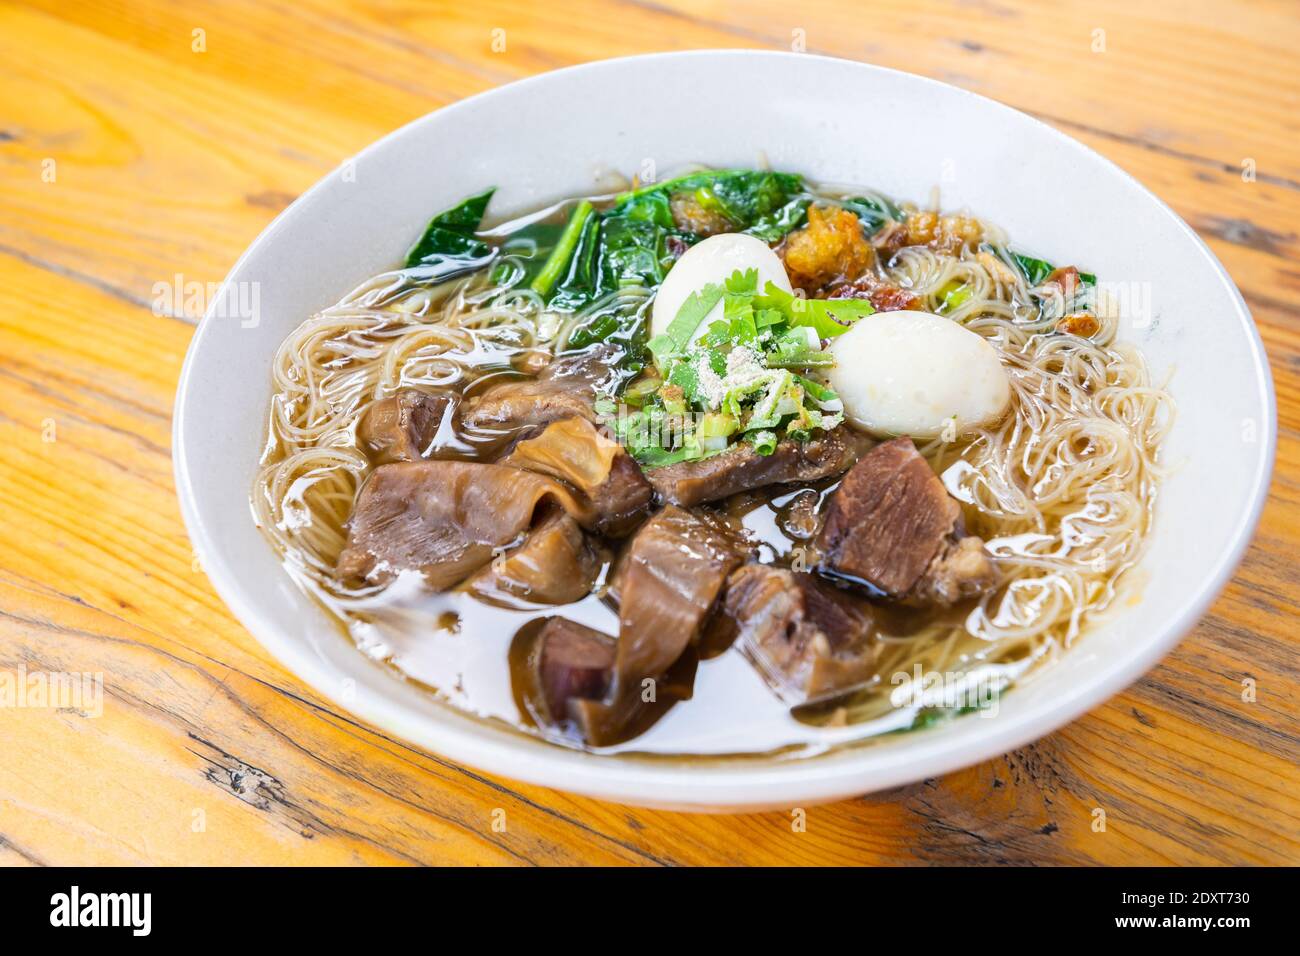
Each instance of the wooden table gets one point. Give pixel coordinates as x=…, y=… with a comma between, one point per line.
x=143, y=140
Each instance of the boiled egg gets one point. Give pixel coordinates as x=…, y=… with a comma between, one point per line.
x=913, y=373
x=711, y=262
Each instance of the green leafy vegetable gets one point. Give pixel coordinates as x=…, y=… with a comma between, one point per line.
x=697, y=305
x=630, y=252
x=874, y=211
x=775, y=225
x=646, y=206
x=827, y=317
x=579, y=265
x=744, y=196
x=448, y=245
x=528, y=249
x=598, y=328
x=1036, y=271
x=583, y=275
x=559, y=263
x=466, y=215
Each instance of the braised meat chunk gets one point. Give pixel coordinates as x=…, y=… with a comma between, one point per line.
x=960, y=570
x=672, y=575
x=405, y=425
x=623, y=498
x=575, y=662
x=886, y=521
x=741, y=468
x=891, y=522
x=556, y=564
x=445, y=519
x=564, y=389
x=806, y=638
x=574, y=450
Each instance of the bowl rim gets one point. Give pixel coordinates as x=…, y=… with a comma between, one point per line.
x=744, y=785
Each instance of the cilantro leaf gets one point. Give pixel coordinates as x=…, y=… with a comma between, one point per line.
x=827, y=317
x=691, y=314
x=741, y=283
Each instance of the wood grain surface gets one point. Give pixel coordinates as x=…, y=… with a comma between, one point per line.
x=133, y=149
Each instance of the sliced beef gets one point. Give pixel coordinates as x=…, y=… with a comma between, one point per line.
x=670, y=579
x=445, y=518
x=887, y=520
x=563, y=389
x=574, y=663
x=741, y=468
x=891, y=522
x=806, y=638
x=555, y=565
x=574, y=450
x=405, y=425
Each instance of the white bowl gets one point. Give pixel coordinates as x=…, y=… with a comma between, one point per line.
x=836, y=121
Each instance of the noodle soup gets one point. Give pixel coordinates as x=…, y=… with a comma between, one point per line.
x=733, y=463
